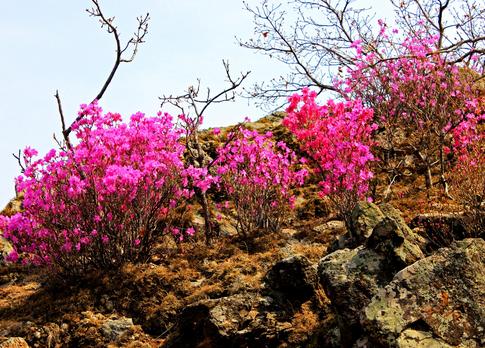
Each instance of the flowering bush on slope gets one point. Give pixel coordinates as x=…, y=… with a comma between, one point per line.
x=468, y=187
x=419, y=98
x=337, y=137
x=105, y=201
x=257, y=175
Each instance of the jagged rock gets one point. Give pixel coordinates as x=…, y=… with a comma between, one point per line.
x=233, y=321
x=365, y=217
x=444, y=292
x=14, y=206
x=113, y=329
x=350, y=279
x=293, y=279
x=411, y=338
x=14, y=342
x=5, y=248
x=395, y=240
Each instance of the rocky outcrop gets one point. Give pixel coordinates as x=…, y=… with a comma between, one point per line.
x=293, y=279
x=233, y=321
x=387, y=293
x=395, y=240
x=5, y=248
x=259, y=318
x=365, y=217
x=352, y=277
x=445, y=293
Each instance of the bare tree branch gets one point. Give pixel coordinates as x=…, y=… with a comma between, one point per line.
x=18, y=158
x=192, y=102
x=63, y=122
x=193, y=106
x=131, y=47
x=314, y=37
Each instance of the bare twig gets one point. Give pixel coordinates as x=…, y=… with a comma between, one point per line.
x=19, y=160
x=63, y=122
x=130, y=47
x=314, y=37
x=193, y=106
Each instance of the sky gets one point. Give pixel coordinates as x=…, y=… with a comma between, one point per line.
x=54, y=45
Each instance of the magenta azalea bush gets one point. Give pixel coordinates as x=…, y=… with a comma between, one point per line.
x=257, y=175
x=337, y=137
x=107, y=200
x=422, y=101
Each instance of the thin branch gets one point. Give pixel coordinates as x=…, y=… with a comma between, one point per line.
x=137, y=39
x=63, y=122
x=190, y=99
x=19, y=160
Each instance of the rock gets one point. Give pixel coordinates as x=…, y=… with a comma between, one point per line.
x=441, y=229
x=411, y=338
x=365, y=217
x=288, y=232
x=5, y=248
x=396, y=241
x=14, y=206
x=350, y=279
x=225, y=322
x=293, y=279
x=336, y=227
x=14, y=342
x=444, y=292
x=114, y=329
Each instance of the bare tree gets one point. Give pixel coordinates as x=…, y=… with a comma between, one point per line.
x=193, y=104
x=125, y=53
x=314, y=37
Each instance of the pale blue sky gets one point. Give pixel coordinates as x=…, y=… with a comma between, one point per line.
x=53, y=44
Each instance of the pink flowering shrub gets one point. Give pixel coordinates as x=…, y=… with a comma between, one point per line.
x=468, y=187
x=257, y=175
x=337, y=137
x=104, y=202
x=425, y=104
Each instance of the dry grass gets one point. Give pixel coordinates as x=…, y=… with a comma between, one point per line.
x=304, y=324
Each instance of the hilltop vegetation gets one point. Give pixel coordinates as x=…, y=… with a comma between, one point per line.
x=277, y=233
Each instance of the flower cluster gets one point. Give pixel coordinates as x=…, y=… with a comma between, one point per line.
x=337, y=137
x=257, y=175
x=106, y=200
x=419, y=98
x=468, y=187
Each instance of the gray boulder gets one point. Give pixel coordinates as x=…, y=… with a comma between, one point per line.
x=350, y=279
x=293, y=279
x=115, y=329
x=396, y=241
x=233, y=321
x=365, y=217
x=444, y=293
